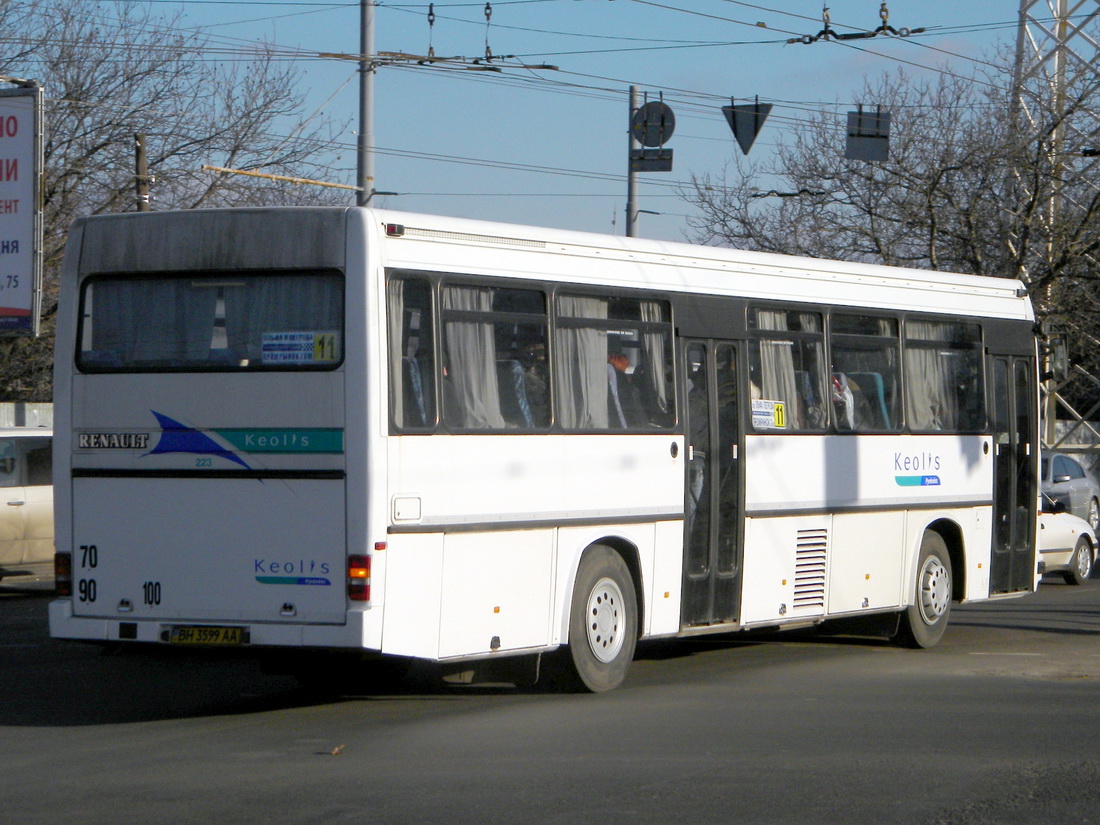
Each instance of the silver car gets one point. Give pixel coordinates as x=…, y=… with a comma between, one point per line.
x=1065, y=480
x=26, y=505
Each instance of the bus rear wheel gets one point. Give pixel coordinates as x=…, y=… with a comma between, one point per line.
x=603, y=622
x=924, y=621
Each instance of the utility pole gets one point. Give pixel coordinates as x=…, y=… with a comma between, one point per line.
x=365, y=174
x=141, y=173
x=631, y=175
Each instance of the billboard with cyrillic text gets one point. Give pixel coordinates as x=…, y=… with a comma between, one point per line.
x=20, y=210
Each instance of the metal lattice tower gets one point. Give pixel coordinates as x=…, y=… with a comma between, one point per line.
x=1057, y=59
x=1056, y=50
x=1055, y=85
x=1058, y=63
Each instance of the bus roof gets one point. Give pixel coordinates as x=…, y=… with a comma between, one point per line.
x=684, y=267
x=251, y=237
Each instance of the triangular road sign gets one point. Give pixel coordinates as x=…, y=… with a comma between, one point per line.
x=746, y=121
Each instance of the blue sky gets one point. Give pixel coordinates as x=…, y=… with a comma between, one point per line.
x=550, y=147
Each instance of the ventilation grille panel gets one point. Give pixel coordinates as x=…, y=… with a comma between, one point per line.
x=809, y=569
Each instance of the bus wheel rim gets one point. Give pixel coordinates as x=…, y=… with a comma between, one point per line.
x=604, y=620
x=935, y=590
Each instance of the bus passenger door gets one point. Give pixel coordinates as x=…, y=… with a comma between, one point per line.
x=712, y=507
x=1015, y=444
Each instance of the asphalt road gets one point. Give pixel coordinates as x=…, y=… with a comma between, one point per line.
x=998, y=724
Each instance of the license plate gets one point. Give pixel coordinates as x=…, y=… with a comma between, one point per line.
x=202, y=635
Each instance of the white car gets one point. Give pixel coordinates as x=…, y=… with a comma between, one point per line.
x=1065, y=479
x=1067, y=544
x=26, y=505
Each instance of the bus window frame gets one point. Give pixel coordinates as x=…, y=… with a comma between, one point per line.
x=860, y=341
x=667, y=327
x=492, y=317
x=905, y=345
x=978, y=347
x=756, y=334
x=554, y=321
x=84, y=367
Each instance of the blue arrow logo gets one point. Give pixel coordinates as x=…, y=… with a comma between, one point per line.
x=179, y=438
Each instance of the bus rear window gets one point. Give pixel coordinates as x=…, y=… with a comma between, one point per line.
x=212, y=322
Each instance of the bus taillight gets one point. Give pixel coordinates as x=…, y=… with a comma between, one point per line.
x=63, y=574
x=359, y=578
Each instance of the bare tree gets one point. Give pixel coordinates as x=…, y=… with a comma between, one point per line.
x=113, y=70
x=969, y=187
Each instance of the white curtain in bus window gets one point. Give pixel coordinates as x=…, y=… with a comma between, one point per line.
x=613, y=367
x=657, y=350
x=787, y=380
x=581, y=366
x=471, y=394
x=212, y=322
x=943, y=377
x=261, y=309
x=495, y=373
x=147, y=323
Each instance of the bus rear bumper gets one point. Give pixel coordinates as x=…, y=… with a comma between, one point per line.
x=349, y=636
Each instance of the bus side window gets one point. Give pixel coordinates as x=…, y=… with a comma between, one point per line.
x=943, y=376
x=613, y=367
x=412, y=358
x=486, y=332
x=786, y=368
x=865, y=355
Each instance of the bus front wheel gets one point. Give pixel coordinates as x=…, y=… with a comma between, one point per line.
x=603, y=621
x=924, y=621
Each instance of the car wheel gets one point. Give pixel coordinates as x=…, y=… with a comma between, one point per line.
x=923, y=622
x=1094, y=515
x=1080, y=566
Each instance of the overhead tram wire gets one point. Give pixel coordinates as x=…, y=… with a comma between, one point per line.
x=612, y=94
x=937, y=30
x=517, y=167
x=348, y=4
x=573, y=88
x=934, y=69
x=553, y=32
x=299, y=54
x=611, y=88
x=760, y=25
x=609, y=92
x=316, y=7
x=771, y=10
x=251, y=53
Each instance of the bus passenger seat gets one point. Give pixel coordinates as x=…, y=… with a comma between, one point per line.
x=413, y=393
x=513, y=393
x=873, y=389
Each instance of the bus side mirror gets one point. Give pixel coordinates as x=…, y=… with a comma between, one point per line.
x=1057, y=360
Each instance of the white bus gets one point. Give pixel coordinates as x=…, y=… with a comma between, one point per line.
x=310, y=430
